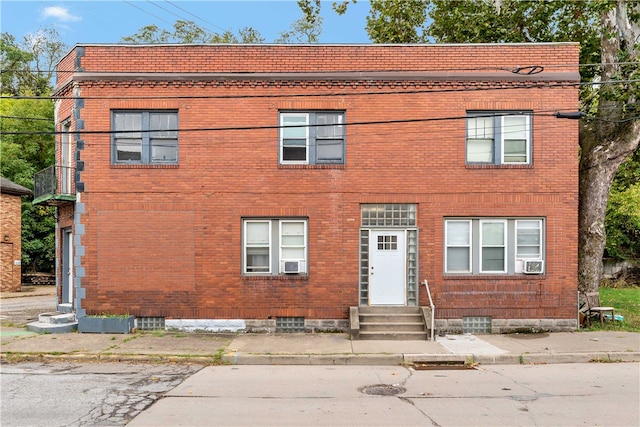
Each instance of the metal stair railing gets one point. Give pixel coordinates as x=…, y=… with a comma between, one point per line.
x=433, y=309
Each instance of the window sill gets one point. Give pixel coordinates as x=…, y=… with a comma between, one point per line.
x=277, y=278
x=331, y=166
x=144, y=166
x=483, y=166
x=493, y=276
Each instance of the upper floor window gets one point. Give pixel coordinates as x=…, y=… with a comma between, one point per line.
x=145, y=137
x=501, y=138
x=312, y=138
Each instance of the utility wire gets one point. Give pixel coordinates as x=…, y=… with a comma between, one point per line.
x=273, y=127
x=147, y=12
x=195, y=16
x=540, y=85
x=390, y=70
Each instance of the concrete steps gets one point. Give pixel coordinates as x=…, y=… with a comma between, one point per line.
x=388, y=323
x=54, y=323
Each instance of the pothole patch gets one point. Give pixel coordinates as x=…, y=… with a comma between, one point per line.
x=382, y=390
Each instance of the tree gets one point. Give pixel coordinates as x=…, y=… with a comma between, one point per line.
x=622, y=223
x=609, y=34
x=27, y=71
x=23, y=156
x=306, y=29
x=190, y=32
x=613, y=134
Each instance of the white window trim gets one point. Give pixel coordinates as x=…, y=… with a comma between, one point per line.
x=281, y=245
x=527, y=141
x=504, y=244
x=272, y=250
x=245, y=245
x=540, y=254
x=499, y=136
x=306, y=131
x=469, y=246
x=513, y=262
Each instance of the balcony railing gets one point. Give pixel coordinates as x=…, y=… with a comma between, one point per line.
x=54, y=185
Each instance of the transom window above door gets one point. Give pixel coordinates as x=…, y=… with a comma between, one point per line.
x=312, y=137
x=499, y=138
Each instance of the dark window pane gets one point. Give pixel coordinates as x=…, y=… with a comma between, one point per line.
x=294, y=153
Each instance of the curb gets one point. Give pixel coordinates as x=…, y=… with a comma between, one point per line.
x=330, y=359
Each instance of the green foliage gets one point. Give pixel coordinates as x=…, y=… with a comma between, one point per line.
x=26, y=70
x=623, y=212
x=23, y=156
x=398, y=21
x=306, y=29
x=27, y=67
x=190, y=32
x=626, y=302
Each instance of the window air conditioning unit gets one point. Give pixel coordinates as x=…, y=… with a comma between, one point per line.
x=533, y=266
x=292, y=267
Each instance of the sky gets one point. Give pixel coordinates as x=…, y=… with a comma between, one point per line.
x=83, y=22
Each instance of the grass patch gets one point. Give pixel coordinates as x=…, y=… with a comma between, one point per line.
x=626, y=301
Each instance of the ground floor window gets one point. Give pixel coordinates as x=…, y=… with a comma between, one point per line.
x=273, y=246
x=493, y=245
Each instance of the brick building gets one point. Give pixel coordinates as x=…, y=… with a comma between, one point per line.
x=11, y=234
x=246, y=187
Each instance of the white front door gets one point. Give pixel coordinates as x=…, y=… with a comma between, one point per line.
x=387, y=271
x=67, y=266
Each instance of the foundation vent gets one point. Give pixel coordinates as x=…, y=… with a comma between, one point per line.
x=476, y=325
x=150, y=323
x=289, y=324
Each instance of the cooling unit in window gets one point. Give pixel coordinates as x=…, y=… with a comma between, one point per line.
x=292, y=267
x=533, y=266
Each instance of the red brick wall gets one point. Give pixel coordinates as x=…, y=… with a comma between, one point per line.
x=10, y=239
x=166, y=241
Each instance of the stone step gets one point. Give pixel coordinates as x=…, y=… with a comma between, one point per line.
x=391, y=318
x=382, y=309
x=52, y=328
x=56, y=317
x=394, y=336
x=397, y=327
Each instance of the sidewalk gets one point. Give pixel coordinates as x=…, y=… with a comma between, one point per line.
x=314, y=349
x=321, y=349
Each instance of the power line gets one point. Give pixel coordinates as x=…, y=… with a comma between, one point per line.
x=273, y=127
x=27, y=118
x=540, y=85
x=147, y=12
x=195, y=16
x=383, y=70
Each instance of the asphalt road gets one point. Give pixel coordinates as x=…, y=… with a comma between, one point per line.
x=66, y=394
x=20, y=311
x=513, y=395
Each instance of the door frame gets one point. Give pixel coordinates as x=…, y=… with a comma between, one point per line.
x=66, y=267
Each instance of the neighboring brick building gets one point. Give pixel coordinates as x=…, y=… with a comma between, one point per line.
x=233, y=186
x=11, y=234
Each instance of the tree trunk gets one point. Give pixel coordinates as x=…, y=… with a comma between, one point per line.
x=606, y=142
x=598, y=167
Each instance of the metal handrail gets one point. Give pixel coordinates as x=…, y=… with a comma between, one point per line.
x=433, y=309
x=52, y=181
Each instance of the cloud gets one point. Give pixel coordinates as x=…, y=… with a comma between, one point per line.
x=59, y=13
